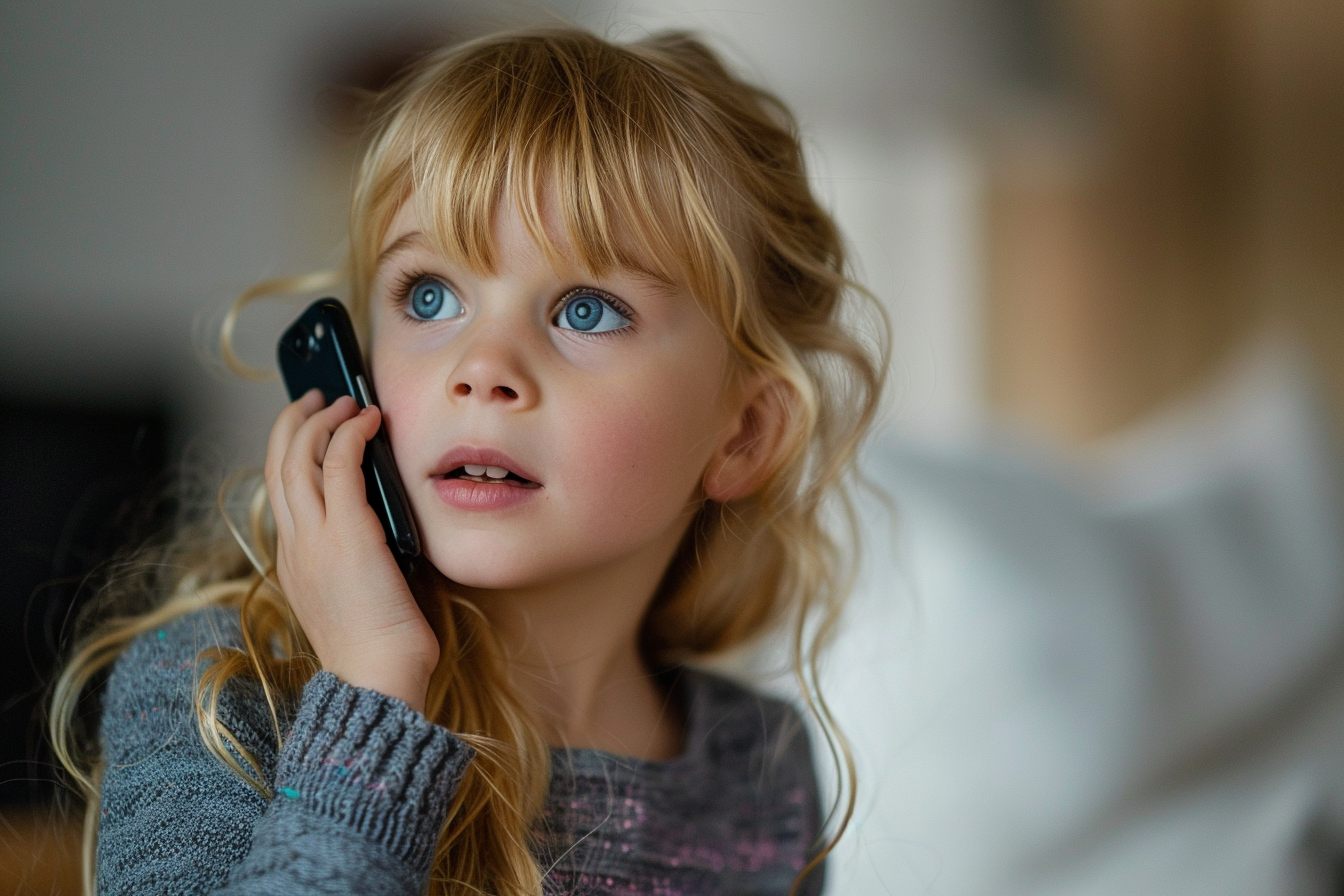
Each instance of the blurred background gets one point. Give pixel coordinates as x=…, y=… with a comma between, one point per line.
x=1109, y=237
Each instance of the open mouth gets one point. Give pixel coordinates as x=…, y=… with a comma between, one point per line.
x=490, y=475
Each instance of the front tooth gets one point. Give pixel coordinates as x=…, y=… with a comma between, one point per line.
x=474, y=469
x=496, y=472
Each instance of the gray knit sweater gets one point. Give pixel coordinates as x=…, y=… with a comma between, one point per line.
x=363, y=783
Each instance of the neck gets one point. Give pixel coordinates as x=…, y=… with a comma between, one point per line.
x=572, y=647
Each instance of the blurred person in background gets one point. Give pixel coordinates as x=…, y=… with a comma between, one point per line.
x=1109, y=641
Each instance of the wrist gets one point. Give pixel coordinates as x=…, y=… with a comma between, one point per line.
x=408, y=686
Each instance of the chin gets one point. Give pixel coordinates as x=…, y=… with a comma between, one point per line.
x=474, y=568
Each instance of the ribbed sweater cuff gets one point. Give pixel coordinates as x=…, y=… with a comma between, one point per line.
x=371, y=762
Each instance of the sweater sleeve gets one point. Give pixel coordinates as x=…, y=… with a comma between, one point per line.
x=361, y=785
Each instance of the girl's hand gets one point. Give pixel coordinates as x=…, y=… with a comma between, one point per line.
x=332, y=558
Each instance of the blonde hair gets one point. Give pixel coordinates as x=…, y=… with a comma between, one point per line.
x=652, y=156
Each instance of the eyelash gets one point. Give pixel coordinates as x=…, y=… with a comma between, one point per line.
x=401, y=293
x=620, y=307
x=400, y=296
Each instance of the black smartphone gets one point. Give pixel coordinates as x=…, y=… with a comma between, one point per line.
x=320, y=350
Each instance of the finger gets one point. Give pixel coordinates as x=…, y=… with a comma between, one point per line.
x=287, y=456
x=342, y=473
x=277, y=444
x=290, y=418
x=301, y=468
x=314, y=433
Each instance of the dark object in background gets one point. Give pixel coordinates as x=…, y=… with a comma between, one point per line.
x=74, y=485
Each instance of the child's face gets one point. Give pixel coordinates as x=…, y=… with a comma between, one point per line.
x=607, y=395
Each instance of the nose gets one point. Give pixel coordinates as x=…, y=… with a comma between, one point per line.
x=493, y=369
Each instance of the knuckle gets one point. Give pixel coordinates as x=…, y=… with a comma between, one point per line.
x=347, y=446
x=289, y=418
x=337, y=410
x=340, y=462
x=270, y=470
x=290, y=473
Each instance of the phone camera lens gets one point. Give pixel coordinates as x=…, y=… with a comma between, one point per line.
x=300, y=342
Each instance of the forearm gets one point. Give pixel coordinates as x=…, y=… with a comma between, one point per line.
x=361, y=787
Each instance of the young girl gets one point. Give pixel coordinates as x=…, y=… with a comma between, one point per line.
x=603, y=314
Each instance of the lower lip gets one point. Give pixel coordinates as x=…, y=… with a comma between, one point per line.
x=467, y=494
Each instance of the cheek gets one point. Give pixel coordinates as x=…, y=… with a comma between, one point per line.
x=647, y=448
x=401, y=397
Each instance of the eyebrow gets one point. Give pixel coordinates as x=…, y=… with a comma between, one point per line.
x=658, y=284
x=400, y=244
x=639, y=272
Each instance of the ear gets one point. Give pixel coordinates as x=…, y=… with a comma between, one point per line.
x=752, y=449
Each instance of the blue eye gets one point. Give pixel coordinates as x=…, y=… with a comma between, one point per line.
x=431, y=299
x=588, y=313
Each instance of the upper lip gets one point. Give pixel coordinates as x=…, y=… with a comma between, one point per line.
x=486, y=457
